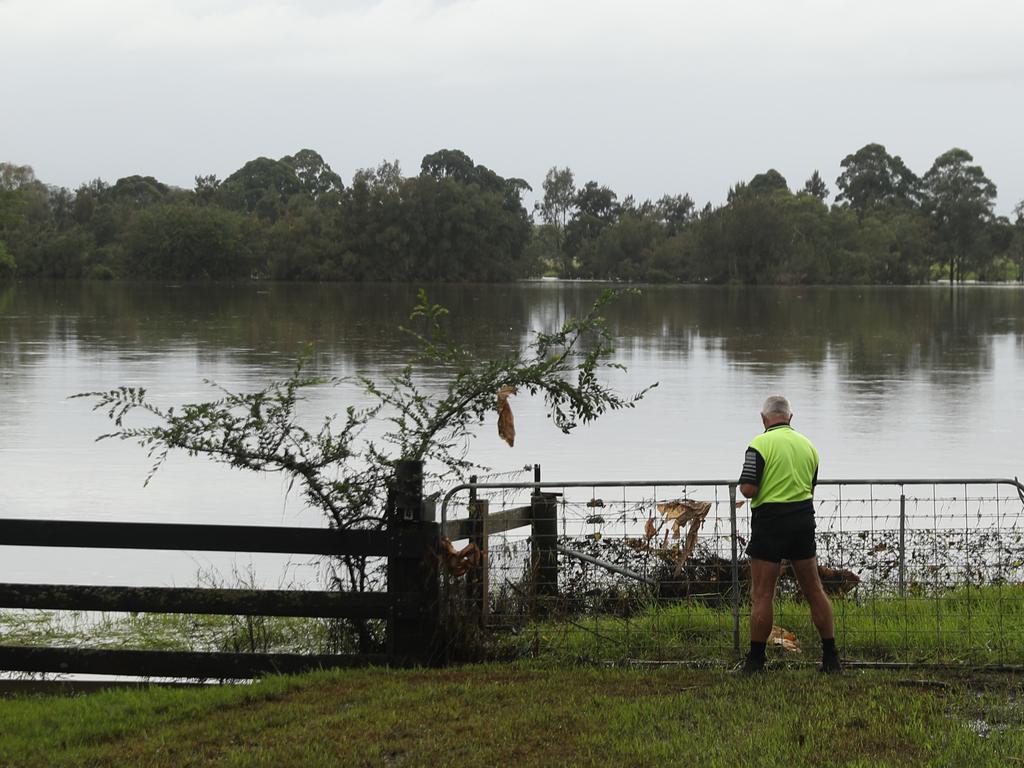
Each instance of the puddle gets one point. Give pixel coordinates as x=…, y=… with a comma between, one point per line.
x=1007, y=715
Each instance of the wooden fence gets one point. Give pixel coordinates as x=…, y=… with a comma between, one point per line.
x=409, y=605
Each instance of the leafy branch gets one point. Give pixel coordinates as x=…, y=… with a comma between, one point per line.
x=337, y=467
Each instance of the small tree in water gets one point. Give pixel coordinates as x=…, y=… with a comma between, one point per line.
x=340, y=470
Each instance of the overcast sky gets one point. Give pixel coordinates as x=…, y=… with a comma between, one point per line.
x=647, y=97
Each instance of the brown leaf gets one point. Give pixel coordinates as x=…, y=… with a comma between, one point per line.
x=671, y=510
x=650, y=531
x=460, y=561
x=784, y=638
x=506, y=425
x=682, y=511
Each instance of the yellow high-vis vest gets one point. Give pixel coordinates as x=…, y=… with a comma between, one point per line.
x=790, y=462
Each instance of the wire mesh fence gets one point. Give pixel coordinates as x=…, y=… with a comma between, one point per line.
x=919, y=571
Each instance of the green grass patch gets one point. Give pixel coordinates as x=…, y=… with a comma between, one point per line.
x=964, y=626
x=171, y=632
x=504, y=714
x=974, y=626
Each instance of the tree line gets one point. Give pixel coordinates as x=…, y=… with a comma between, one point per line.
x=456, y=220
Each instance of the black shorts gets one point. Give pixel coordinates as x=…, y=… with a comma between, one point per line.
x=787, y=536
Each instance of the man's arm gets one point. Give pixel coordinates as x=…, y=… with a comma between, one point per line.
x=753, y=469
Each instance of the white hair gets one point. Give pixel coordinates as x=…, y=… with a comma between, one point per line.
x=776, y=405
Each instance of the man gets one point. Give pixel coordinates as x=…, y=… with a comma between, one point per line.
x=780, y=470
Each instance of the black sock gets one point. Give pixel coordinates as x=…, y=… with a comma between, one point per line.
x=757, y=649
x=828, y=646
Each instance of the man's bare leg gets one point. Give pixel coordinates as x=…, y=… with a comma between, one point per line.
x=807, y=577
x=764, y=575
x=821, y=611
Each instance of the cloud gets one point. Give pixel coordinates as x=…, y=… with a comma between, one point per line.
x=472, y=39
x=650, y=96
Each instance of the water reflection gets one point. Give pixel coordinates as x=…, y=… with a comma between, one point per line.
x=887, y=381
x=875, y=332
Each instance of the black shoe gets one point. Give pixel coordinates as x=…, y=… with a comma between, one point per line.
x=830, y=664
x=752, y=665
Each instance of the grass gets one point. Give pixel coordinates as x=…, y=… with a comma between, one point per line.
x=964, y=626
x=170, y=632
x=523, y=715
x=550, y=712
x=973, y=626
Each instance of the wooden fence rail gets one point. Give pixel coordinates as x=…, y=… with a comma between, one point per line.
x=190, y=537
x=409, y=606
x=73, y=597
x=499, y=522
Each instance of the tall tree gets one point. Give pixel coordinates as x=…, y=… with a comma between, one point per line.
x=88, y=197
x=674, y=212
x=1017, y=248
x=314, y=174
x=597, y=208
x=261, y=186
x=15, y=176
x=206, y=188
x=10, y=216
x=62, y=207
x=872, y=177
x=457, y=165
x=815, y=186
x=557, y=206
x=138, y=191
x=960, y=198
x=768, y=182
x=7, y=264
x=449, y=164
x=186, y=242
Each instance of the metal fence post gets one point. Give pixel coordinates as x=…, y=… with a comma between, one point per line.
x=903, y=545
x=735, y=572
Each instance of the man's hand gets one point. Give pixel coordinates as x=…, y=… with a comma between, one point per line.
x=748, y=490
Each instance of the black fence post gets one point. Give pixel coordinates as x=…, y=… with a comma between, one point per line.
x=413, y=565
x=543, y=549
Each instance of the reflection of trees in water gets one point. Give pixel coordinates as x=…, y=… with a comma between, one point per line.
x=11, y=352
x=871, y=333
